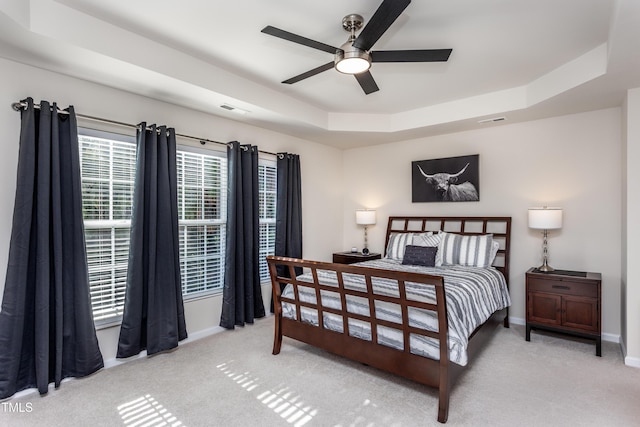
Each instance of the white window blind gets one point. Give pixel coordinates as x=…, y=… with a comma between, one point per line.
x=202, y=183
x=267, y=179
x=108, y=174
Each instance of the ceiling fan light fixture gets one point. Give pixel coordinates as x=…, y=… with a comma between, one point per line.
x=353, y=65
x=351, y=60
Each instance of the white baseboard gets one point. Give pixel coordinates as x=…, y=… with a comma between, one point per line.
x=21, y=393
x=203, y=333
x=516, y=320
x=611, y=338
x=615, y=338
x=634, y=362
x=110, y=363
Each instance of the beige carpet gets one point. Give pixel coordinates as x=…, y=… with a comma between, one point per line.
x=231, y=379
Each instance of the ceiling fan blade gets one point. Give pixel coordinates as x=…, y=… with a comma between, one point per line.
x=380, y=22
x=423, y=55
x=276, y=32
x=310, y=73
x=367, y=83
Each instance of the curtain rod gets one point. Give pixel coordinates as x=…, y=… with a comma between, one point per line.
x=17, y=106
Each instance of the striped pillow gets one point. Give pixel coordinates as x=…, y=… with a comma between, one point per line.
x=426, y=239
x=397, y=244
x=429, y=239
x=470, y=251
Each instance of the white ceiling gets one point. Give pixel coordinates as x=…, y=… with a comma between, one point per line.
x=520, y=59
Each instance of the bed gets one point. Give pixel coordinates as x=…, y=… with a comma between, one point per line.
x=423, y=322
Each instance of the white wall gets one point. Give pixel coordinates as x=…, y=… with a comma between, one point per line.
x=571, y=161
x=321, y=198
x=631, y=244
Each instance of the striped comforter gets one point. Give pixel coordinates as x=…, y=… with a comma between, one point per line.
x=473, y=295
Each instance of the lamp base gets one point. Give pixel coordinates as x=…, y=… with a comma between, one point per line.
x=546, y=268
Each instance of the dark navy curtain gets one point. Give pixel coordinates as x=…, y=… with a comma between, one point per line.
x=46, y=325
x=153, y=317
x=242, y=294
x=288, y=211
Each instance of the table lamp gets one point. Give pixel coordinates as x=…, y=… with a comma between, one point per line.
x=365, y=217
x=545, y=219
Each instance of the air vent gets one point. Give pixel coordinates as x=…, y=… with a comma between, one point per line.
x=493, y=119
x=234, y=109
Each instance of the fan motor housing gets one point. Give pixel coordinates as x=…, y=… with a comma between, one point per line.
x=348, y=51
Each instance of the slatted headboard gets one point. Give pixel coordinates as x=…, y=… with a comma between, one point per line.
x=500, y=227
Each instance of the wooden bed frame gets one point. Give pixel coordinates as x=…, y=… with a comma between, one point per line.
x=435, y=373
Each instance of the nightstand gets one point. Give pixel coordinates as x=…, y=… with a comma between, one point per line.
x=565, y=301
x=353, y=257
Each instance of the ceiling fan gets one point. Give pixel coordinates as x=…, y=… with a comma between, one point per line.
x=355, y=56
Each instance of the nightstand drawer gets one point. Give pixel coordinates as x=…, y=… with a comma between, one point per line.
x=565, y=286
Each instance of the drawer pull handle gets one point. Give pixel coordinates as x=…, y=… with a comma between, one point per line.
x=560, y=287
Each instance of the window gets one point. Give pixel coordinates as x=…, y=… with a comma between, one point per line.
x=202, y=202
x=108, y=173
x=267, y=179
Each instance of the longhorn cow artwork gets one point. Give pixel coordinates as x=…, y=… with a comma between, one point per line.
x=453, y=179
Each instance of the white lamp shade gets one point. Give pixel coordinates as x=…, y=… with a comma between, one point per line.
x=545, y=218
x=365, y=217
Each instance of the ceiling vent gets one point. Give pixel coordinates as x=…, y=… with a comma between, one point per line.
x=493, y=119
x=234, y=109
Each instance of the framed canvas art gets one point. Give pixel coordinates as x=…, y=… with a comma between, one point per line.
x=451, y=179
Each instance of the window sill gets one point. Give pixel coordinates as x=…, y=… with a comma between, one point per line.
x=201, y=295
x=109, y=324
x=186, y=299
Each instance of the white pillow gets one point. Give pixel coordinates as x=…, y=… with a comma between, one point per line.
x=495, y=246
x=470, y=251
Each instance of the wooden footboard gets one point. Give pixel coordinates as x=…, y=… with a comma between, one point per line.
x=434, y=373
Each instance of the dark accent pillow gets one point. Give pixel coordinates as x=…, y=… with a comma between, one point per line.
x=420, y=255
